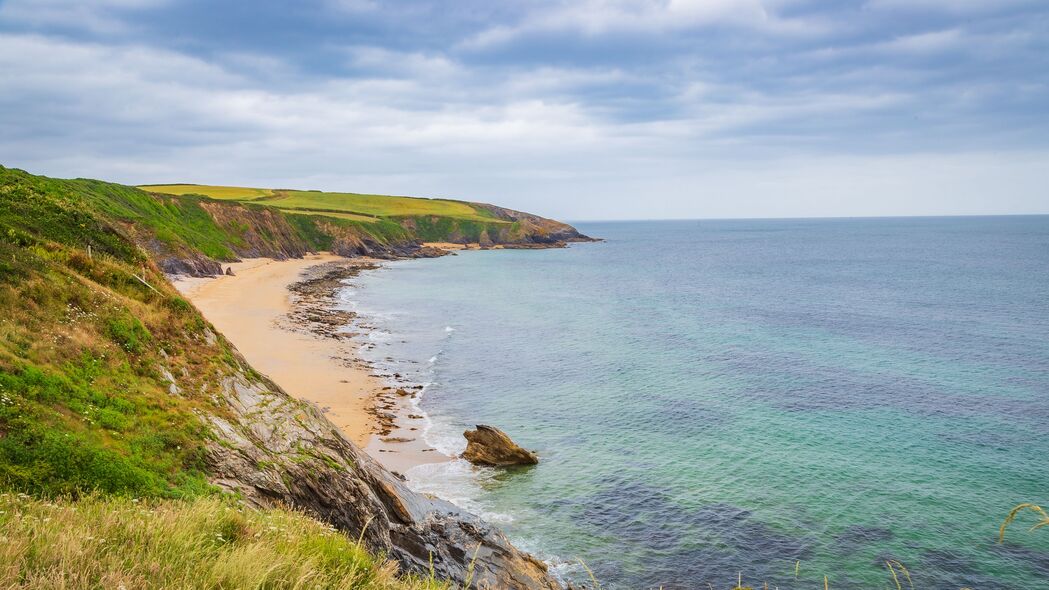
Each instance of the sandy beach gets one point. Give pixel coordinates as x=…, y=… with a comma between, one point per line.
x=251, y=308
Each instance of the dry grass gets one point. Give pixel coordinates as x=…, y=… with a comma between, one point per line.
x=114, y=543
x=1043, y=518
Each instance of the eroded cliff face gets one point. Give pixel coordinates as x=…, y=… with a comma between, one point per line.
x=257, y=231
x=272, y=449
x=249, y=231
x=507, y=228
x=533, y=229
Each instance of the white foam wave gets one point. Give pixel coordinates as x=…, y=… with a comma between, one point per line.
x=455, y=481
x=379, y=336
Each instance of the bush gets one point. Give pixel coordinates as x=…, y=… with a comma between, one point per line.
x=129, y=333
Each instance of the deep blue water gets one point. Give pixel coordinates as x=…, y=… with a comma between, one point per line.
x=714, y=397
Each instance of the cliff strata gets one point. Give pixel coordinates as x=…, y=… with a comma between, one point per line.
x=272, y=449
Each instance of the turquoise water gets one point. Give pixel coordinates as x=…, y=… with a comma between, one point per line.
x=714, y=397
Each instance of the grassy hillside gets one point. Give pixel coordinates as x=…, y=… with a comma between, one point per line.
x=83, y=347
x=113, y=386
x=117, y=542
x=91, y=346
x=362, y=205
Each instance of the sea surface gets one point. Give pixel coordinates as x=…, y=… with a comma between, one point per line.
x=785, y=399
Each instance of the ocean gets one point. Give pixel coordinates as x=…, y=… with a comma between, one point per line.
x=778, y=399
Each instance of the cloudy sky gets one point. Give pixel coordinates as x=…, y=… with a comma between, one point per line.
x=594, y=109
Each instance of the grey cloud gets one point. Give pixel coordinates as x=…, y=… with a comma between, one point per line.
x=726, y=108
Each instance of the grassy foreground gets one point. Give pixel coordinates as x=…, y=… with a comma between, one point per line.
x=115, y=542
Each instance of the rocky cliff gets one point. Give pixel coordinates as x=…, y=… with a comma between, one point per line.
x=271, y=449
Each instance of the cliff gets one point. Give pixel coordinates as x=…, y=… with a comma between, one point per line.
x=111, y=382
x=286, y=223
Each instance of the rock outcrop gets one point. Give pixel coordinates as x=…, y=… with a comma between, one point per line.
x=490, y=446
x=272, y=449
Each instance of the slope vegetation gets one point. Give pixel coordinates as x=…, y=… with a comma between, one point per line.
x=203, y=543
x=111, y=383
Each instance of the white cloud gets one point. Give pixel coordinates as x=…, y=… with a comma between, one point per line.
x=599, y=17
x=166, y=110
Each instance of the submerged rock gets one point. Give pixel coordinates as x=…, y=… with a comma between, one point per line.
x=488, y=445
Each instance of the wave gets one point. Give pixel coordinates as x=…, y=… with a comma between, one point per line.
x=394, y=346
x=458, y=482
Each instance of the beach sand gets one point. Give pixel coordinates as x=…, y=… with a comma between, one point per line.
x=251, y=307
x=247, y=308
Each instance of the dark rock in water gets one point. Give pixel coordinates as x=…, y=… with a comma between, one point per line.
x=229, y=271
x=490, y=446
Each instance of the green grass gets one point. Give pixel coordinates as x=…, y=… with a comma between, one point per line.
x=364, y=205
x=238, y=193
x=350, y=216
x=83, y=403
x=108, y=543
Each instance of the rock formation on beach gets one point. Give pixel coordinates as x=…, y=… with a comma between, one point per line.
x=271, y=449
x=490, y=446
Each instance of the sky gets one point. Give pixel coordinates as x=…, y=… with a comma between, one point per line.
x=594, y=109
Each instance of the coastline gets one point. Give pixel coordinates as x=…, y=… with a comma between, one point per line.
x=283, y=317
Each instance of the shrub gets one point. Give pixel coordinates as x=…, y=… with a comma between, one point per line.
x=128, y=332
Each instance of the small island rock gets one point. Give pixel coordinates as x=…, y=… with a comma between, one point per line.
x=490, y=446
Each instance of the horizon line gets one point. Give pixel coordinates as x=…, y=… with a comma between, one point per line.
x=807, y=217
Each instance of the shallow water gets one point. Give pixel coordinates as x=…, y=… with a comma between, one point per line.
x=714, y=397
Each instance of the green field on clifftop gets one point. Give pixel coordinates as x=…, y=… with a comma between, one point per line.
x=360, y=206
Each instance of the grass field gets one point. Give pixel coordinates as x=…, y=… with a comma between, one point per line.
x=237, y=193
x=333, y=204
x=339, y=215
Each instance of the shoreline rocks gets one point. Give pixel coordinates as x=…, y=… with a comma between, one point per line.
x=271, y=449
x=487, y=445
